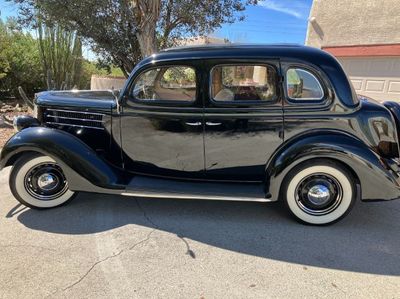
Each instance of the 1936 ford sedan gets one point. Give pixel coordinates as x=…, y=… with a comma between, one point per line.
x=236, y=122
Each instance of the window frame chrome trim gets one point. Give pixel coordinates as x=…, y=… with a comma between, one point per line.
x=165, y=102
x=304, y=99
x=253, y=103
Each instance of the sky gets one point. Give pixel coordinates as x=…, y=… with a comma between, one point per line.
x=271, y=21
x=7, y=9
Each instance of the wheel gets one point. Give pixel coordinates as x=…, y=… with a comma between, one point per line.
x=38, y=182
x=319, y=192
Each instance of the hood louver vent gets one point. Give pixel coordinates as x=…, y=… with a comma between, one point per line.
x=72, y=118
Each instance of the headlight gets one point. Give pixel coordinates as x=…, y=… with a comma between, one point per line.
x=24, y=121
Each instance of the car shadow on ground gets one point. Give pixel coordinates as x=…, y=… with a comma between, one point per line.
x=367, y=240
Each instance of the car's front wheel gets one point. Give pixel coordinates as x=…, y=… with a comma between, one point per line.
x=37, y=181
x=319, y=192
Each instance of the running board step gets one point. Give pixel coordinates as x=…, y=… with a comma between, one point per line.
x=165, y=188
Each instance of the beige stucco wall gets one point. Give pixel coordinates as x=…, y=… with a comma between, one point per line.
x=202, y=40
x=353, y=22
x=334, y=23
x=106, y=82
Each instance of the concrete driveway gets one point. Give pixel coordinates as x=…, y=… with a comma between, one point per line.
x=102, y=246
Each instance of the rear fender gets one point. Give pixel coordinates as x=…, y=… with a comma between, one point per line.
x=394, y=108
x=80, y=163
x=377, y=179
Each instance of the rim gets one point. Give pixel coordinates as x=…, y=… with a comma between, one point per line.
x=318, y=194
x=45, y=181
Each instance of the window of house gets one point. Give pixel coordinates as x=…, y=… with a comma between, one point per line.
x=303, y=85
x=173, y=83
x=243, y=83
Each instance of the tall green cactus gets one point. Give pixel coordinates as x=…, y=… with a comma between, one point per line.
x=61, y=55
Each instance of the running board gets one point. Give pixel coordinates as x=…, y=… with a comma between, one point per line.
x=141, y=186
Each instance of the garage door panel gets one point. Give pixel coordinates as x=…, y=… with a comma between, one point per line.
x=378, y=78
x=357, y=83
x=371, y=66
x=394, y=87
x=375, y=85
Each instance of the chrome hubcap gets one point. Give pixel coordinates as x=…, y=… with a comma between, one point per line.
x=318, y=194
x=46, y=181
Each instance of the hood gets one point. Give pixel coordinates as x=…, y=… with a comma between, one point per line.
x=96, y=99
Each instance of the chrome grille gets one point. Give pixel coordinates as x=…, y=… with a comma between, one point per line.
x=72, y=118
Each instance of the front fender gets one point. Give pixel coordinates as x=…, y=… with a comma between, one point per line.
x=378, y=181
x=73, y=155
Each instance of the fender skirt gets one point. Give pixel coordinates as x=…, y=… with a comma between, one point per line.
x=83, y=168
x=377, y=179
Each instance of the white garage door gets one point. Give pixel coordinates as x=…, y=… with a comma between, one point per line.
x=378, y=78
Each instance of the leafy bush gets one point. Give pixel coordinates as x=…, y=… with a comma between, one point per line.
x=19, y=61
x=21, y=64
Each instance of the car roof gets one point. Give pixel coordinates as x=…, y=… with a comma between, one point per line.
x=285, y=52
x=226, y=46
x=240, y=51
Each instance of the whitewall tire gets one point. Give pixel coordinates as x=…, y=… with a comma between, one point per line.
x=37, y=181
x=319, y=192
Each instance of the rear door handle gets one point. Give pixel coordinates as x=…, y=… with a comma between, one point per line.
x=197, y=123
x=209, y=123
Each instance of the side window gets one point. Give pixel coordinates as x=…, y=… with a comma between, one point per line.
x=243, y=83
x=173, y=83
x=303, y=85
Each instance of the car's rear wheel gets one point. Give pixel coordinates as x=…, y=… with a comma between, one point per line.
x=39, y=182
x=319, y=192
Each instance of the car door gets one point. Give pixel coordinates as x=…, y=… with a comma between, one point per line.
x=162, y=123
x=243, y=119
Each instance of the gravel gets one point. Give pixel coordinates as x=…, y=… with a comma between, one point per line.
x=7, y=131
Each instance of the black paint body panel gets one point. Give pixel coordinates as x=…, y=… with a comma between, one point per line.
x=209, y=141
x=68, y=151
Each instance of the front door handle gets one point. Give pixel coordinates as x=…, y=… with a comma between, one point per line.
x=197, y=123
x=209, y=123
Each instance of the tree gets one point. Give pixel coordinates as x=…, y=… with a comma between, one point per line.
x=22, y=64
x=146, y=14
x=19, y=60
x=61, y=56
x=124, y=31
x=4, y=51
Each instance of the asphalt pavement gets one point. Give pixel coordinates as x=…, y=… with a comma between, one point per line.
x=102, y=246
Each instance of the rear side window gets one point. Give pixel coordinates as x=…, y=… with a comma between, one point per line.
x=303, y=85
x=172, y=83
x=232, y=83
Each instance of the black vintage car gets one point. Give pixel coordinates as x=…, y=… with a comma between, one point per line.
x=235, y=122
